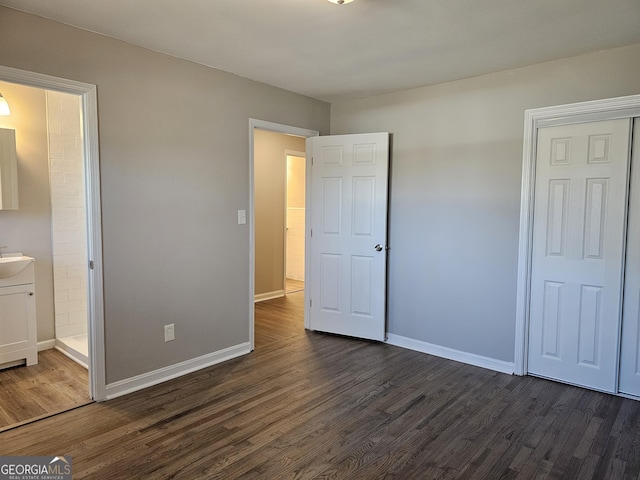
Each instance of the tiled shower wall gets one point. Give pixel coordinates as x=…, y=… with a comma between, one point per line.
x=68, y=213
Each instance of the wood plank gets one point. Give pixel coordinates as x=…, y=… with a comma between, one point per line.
x=308, y=405
x=293, y=286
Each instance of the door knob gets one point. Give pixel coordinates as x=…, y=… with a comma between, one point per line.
x=378, y=247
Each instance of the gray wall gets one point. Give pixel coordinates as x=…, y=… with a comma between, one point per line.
x=28, y=229
x=455, y=191
x=174, y=155
x=270, y=166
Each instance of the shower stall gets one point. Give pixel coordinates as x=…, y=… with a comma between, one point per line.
x=68, y=224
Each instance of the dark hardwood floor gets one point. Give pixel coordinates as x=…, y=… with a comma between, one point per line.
x=279, y=320
x=309, y=405
x=55, y=384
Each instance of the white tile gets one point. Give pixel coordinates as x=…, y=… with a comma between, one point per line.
x=62, y=213
x=79, y=248
x=71, y=260
x=76, y=223
x=68, y=236
x=69, y=284
x=78, y=318
x=61, y=319
x=77, y=271
x=57, y=178
x=77, y=294
x=62, y=165
x=73, y=202
x=68, y=330
x=69, y=307
x=61, y=295
x=55, y=150
x=68, y=211
x=66, y=140
x=72, y=153
x=72, y=178
x=59, y=248
x=64, y=189
x=59, y=273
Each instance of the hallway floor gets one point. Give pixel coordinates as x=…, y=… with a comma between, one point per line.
x=293, y=286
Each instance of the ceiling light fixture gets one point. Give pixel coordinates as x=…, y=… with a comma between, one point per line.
x=340, y=2
x=4, y=106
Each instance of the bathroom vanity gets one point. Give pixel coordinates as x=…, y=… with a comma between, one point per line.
x=18, y=329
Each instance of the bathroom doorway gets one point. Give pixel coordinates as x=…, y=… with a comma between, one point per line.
x=50, y=225
x=69, y=164
x=50, y=221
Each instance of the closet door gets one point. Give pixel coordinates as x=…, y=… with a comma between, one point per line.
x=578, y=251
x=630, y=349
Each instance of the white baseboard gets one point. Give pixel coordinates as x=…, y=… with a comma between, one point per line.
x=133, y=384
x=261, y=297
x=46, y=344
x=451, y=354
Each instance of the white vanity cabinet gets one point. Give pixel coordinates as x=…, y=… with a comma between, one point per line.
x=18, y=329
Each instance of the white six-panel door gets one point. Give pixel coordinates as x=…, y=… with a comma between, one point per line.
x=348, y=222
x=630, y=346
x=578, y=252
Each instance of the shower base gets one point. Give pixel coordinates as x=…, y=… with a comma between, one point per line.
x=76, y=347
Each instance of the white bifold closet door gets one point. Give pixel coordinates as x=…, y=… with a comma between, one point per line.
x=577, y=265
x=630, y=347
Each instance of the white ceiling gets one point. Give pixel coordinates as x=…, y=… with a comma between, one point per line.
x=367, y=47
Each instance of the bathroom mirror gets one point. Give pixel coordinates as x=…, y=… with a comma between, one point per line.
x=8, y=170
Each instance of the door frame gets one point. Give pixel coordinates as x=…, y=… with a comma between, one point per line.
x=95, y=291
x=591, y=111
x=278, y=128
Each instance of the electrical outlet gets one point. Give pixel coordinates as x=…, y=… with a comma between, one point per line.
x=169, y=332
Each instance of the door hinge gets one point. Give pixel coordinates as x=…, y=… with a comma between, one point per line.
x=312, y=232
x=310, y=303
x=312, y=161
x=90, y=264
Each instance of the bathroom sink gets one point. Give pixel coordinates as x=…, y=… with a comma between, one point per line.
x=10, y=265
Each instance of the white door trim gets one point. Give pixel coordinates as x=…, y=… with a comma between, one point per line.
x=278, y=128
x=95, y=291
x=607, y=109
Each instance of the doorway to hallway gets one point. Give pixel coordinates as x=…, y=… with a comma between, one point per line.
x=257, y=247
x=279, y=189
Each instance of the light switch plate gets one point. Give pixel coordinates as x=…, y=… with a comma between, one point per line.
x=169, y=332
x=242, y=217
